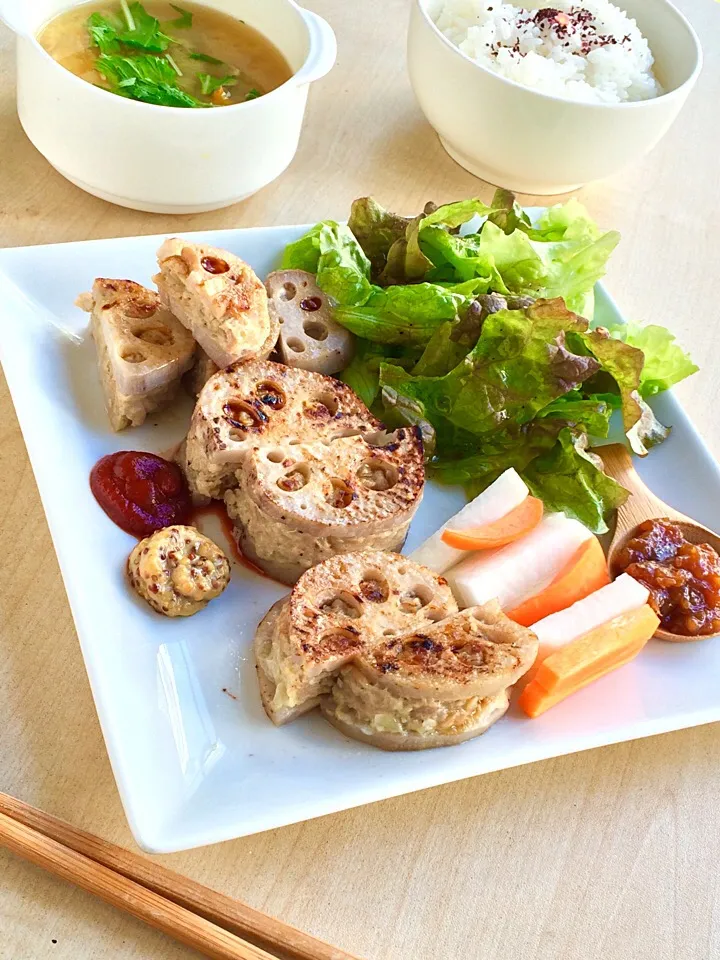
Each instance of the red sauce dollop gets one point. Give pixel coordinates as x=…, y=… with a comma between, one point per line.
x=140, y=492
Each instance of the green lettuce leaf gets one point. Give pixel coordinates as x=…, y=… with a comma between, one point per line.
x=363, y=372
x=563, y=221
x=408, y=261
x=515, y=262
x=590, y=414
x=376, y=230
x=513, y=447
x=519, y=364
x=331, y=251
x=443, y=352
x=647, y=431
x=567, y=478
x=624, y=363
x=507, y=213
x=666, y=363
x=400, y=315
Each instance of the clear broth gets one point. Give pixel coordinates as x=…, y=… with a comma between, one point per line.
x=247, y=55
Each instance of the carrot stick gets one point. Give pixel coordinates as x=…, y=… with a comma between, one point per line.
x=588, y=658
x=585, y=573
x=515, y=524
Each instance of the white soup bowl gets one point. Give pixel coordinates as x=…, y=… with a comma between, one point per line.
x=168, y=159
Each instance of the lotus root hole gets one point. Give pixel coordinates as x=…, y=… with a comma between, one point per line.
x=275, y=456
x=132, y=356
x=243, y=415
x=315, y=330
x=139, y=311
x=339, y=641
x=374, y=587
x=342, y=605
x=415, y=599
x=322, y=407
x=288, y=291
x=295, y=479
x=435, y=615
x=237, y=435
x=161, y=336
x=377, y=475
x=270, y=394
x=341, y=494
x=214, y=265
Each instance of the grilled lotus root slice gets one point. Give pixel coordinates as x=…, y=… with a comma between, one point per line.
x=178, y=571
x=219, y=298
x=476, y=653
x=142, y=349
x=296, y=505
x=309, y=336
x=259, y=403
x=334, y=610
x=435, y=686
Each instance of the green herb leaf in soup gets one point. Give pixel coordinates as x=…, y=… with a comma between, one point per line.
x=143, y=30
x=184, y=21
x=205, y=58
x=209, y=84
x=242, y=64
x=104, y=33
x=149, y=79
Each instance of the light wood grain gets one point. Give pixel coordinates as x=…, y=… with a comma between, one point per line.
x=611, y=853
x=130, y=897
x=283, y=941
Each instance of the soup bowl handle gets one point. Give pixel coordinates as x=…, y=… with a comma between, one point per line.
x=323, y=48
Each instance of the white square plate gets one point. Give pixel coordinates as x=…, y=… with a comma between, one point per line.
x=195, y=758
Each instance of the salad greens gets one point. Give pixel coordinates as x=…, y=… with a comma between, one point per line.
x=484, y=338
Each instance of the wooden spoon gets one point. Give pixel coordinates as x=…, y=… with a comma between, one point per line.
x=644, y=505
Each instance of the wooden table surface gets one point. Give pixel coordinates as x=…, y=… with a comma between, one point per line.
x=611, y=853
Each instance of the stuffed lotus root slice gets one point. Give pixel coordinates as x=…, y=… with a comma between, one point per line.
x=178, y=571
x=218, y=297
x=310, y=338
x=143, y=350
x=478, y=652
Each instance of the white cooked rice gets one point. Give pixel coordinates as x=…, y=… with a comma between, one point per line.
x=587, y=50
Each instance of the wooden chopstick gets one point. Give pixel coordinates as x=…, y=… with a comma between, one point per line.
x=186, y=910
x=133, y=898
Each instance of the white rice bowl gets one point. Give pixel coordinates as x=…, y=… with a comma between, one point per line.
x=588, y=50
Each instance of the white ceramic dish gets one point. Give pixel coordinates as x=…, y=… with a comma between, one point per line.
x=516, y=137
x=195, y=764
x=166, y=159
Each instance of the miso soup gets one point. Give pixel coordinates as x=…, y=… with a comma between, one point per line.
x=175, y=55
